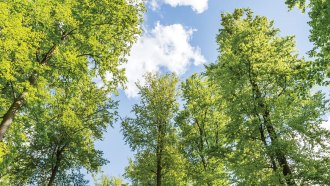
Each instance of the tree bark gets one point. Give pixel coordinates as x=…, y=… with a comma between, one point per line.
x=53, y=175
x=8, y=118
x=263, y=139
x=270, y=129
x=160, y=147
x=56, y=166
x=13, y=109
x=159, y=170
x=280, y=156
x=10, y=114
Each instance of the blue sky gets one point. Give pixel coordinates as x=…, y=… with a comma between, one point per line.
x=180, y=37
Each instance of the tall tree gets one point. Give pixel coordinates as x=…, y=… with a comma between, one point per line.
x=59, y=134
x=104, y=180
x=152, y=135
x=273, y=132
x=319, y=13
x=201, y=123
x=42, y=40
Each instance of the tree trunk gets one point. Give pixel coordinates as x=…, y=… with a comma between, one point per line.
x=10, y=114
x=14, y=108
x=53, y=175
x=160, y=148
x=159, y=170
x=263, y=139
x=281, y=158
x=271, y=131
x=18, y=102
x=159, y=161
x=56, y=167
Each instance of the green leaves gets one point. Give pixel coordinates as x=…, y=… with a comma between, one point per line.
x=151, y=134
x=267, y=99
x=201, y=124
x=319, y=14
x=51, y=52
x=61, y=130
x=250, y=119
x=43, y=41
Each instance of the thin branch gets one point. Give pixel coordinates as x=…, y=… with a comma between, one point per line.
x=12, y=89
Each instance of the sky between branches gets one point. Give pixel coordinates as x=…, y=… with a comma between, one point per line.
x=179, y=36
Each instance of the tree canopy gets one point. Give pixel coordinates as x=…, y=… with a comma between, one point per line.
x=60, y=64
x=253, y=117
x=152, y=134
x=274, y=133
x=42, y=41
x=319, y=13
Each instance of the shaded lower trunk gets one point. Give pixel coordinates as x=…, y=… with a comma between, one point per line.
x=159, y=170
x=53, y=175
x=263, y=139
x=283, y=163
x=160, y=147
x=286, y=170
x=201, y=149
x=10, y=114
x=56, y=167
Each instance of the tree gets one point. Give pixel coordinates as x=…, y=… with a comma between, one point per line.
x=152, y=135
x=273, y=133
x=104, y=180
x=59, y=135
x=201, y=123
x=44, y=40
x=319, y=13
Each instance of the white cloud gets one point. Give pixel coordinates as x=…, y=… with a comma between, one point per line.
x=198, y=6
x=162, y=47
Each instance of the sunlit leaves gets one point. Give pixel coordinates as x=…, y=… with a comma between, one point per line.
x=267, y=97
x=152, y=135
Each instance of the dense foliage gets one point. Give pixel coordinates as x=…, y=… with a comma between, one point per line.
x=319, y=13
x=43, y=41
x=201, y=124
x=253, y=117
x=52, y=53
x=274, y=133
x=152, y=134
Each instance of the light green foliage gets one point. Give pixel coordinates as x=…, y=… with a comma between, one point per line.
x=319, y=13
x=142, y=170
x=50, y=54
x=299, y=3
x=42, y=41
x=152, y=134
x=108, y=181
x=59, y=134
x=201, y=123
x=273, y=133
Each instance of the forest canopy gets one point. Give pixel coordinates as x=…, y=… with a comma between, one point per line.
x=254, y=116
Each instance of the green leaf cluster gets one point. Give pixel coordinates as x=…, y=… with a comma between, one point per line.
x=60, y=64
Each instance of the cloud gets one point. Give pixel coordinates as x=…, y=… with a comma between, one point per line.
x=163, y=47
x=198, y=6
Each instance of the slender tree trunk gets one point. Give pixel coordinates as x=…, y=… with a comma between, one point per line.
x=7, y=119
x=281, y=157
x=56, y=166
x=273, y=137
x=159, y=170
x=10, y=114
x=270, y=129
x=160, y=147
x=263, y=138
x=53, y=175
x=14, y=108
